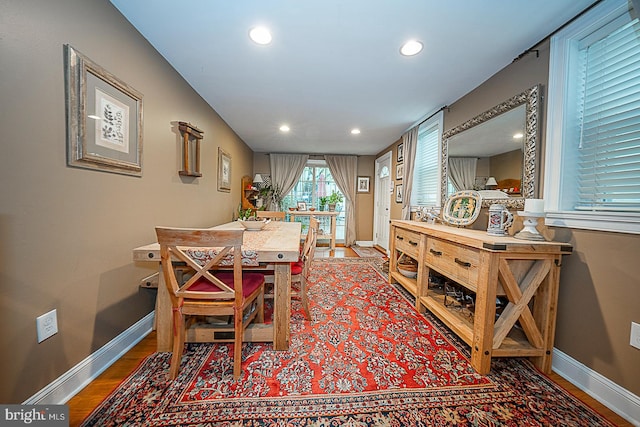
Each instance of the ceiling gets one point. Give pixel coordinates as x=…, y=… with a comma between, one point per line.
x=334, y=65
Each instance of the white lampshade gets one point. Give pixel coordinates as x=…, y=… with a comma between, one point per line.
x=257, y=179
x=491, y=181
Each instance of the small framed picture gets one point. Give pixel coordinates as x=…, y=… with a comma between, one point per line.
x=363, y=184
x=224, y=171
x=400, y=156
x=302, y=206
x=399, y=170
x=399, y=193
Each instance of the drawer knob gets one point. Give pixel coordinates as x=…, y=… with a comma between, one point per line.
x=413, y=243
x=400, y=238
x=462, y=263
x=436, y=253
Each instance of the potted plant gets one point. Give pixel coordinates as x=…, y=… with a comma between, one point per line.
x=322, y=202
x=333, y=200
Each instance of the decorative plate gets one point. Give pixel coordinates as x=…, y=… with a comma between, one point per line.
x=462, y=208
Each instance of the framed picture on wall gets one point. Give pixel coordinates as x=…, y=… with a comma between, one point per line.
x=224, y=171
x=399, y=193
x=363, y=184
x=104, y=118
x=400, y=156
x=399, y=170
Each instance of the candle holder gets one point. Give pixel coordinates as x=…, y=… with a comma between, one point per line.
x=530, y=221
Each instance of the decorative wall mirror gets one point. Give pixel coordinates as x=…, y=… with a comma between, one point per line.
x=489, y=139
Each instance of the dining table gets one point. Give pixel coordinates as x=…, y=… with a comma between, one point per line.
x=277, y=244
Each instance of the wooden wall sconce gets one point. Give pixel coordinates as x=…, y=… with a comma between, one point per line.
x=191, y=137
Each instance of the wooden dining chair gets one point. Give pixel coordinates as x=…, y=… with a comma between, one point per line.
x=300, y=269
x=273, y=215
x=207, y=289
x=306, y=259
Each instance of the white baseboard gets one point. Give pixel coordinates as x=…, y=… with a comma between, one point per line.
x=76, y=378
x=605, y=391
x=365, y=243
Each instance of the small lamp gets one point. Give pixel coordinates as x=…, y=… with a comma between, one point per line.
x=257, y=180
x=491, y=183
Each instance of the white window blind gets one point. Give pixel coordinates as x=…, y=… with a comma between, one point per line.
x=426, y=172
x=608, y=168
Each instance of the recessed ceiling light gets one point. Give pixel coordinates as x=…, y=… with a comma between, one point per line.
x=284, y=128
x=410, y=48
x=355, y=131
x=518, y=135
x=260, y=35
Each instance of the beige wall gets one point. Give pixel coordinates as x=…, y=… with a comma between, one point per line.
x=364, y=201
x=599, y=290
x=66, y=234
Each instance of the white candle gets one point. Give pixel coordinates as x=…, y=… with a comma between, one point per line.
x=534, y=205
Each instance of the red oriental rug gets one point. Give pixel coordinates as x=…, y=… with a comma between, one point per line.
x=367, y=358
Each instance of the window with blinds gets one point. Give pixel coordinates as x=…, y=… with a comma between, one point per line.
x=426, y=172
x=608, y=152
x=592, y=150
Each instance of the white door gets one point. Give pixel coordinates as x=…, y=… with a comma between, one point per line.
x=382, y=201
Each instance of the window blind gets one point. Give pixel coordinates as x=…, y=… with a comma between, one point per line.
x=609, y=146
x=426, y=169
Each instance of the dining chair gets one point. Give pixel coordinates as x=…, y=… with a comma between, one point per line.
x=202, y=287
x=273, y=215
x=300, y=269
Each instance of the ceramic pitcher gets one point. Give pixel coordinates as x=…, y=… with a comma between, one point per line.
x=499, y=220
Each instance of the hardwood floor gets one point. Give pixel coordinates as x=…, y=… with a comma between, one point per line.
x=87, y=399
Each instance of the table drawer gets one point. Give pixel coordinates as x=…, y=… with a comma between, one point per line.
x=408, y=242
x=457, y=262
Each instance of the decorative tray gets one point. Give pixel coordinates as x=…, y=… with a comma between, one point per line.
x=462, y=208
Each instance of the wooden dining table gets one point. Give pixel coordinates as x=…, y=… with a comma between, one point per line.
x=278, y=243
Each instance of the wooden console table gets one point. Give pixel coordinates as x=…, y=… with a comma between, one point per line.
x=525, y=272
x=318, y=214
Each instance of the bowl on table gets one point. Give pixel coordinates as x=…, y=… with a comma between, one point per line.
x=253, y=225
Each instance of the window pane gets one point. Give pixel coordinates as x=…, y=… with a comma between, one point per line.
x=315, y=182
x=426, y=173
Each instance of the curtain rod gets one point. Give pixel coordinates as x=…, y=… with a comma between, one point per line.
x=531, y=49
x=444, y=107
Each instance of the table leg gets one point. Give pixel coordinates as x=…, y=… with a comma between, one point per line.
x=333, y=232
x=282, y=306
x=163, y=316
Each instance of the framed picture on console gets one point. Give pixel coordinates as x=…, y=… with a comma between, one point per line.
x=104, y=118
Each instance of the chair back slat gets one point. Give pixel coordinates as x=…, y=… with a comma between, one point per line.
x=273, y=215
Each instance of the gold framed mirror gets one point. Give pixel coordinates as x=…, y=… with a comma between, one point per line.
x=485, y=137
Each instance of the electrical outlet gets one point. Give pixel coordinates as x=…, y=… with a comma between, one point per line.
x=635, y=334
x=47, y=325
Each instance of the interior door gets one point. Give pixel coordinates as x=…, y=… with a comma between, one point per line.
x=382, y=203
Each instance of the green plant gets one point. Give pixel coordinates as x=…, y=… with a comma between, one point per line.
x=335, y=198
x=323, y=202
x=245, y=214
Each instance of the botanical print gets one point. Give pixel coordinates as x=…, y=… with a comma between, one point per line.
x=112, y=128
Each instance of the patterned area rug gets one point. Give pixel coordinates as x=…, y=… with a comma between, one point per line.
x=366, y=359
x=366, y=252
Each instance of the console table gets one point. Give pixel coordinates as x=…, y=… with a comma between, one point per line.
x=524, y=272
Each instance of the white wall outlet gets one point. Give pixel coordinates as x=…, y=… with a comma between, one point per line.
x=47, y=325
x=635, y=334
